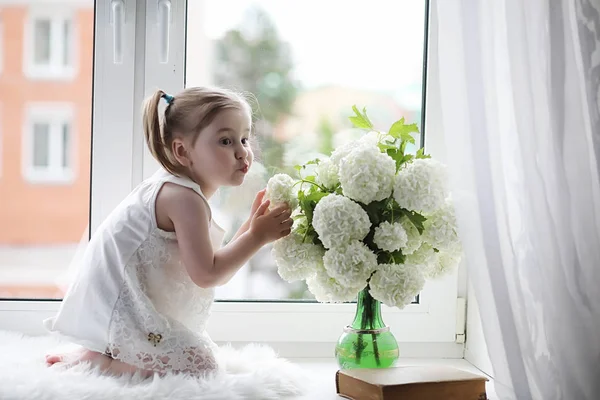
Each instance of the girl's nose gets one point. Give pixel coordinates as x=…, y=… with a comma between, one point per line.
x=241, y=153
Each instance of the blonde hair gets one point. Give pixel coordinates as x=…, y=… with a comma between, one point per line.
x=186, y=114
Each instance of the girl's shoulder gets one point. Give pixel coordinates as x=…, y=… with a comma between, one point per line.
x=162, y=177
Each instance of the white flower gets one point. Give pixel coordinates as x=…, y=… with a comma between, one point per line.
x=367, y=140
x=367, y=174
x=329, y=169
x=396, y=285
x=421, y=186
x=440, y=228
x=327, y=174
x=341, y=151
x=351, y=264
x=373, y=138
x=390, y=237
x=414, y=237
x=338, y=220
x=328, y=290
x=279, y=191
x=445, y=263
x=370, y=139
x=425, y=255
x=296, y=260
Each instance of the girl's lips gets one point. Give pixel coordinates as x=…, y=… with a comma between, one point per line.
x=244, y=169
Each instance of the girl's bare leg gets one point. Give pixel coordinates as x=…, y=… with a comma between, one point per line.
x=101, y=361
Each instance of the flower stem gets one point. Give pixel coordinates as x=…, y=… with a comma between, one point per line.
x=366, y=323
x=369, y=310
x=376, y=349
x=302, y=180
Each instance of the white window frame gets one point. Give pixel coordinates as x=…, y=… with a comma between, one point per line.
x=428, y=329
x=55, y=70
x=55, y=115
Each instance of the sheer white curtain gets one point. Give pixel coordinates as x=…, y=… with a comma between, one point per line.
x=519, y=82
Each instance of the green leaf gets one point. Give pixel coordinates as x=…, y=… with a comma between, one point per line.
x=375, y=210
x=316, y=161
x=403, y=132
x=309, y=201
x=393, y=211
x=311, y=178
x=316, y=196
x=397, y=156
x=416, y=219
x=395, y=257
x=385, y=147
x=360, y=120
x=421, y=153
x=406, y=158
x=403, y=147
x=399, y=258
x=308, y=233
x=308, y=211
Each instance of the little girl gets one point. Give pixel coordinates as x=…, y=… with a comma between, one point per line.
x=142, y=296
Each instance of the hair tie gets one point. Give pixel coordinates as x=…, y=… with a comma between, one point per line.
x=168, y=98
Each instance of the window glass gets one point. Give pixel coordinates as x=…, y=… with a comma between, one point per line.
x=46, y=124
x=306, y=63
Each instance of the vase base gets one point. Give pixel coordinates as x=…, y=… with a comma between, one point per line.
x=366, y=348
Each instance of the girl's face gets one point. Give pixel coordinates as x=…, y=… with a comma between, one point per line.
x=221, y=155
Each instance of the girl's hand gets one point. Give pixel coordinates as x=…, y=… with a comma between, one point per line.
x=257, y=201
x=270, y=225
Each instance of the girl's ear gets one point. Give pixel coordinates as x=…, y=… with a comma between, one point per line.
x=180, y=152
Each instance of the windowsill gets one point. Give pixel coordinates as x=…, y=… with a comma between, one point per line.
x=288, y=328
x=55, y=179
x=48, y=74
x=322, y=371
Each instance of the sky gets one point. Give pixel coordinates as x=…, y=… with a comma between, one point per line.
x=375, y=45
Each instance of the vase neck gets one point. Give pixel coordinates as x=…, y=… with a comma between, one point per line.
x=368, y=312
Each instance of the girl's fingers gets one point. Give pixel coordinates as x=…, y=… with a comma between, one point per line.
x=277, y=211
x=286, y=232
x=284, y=215
x=261, y=195
x=262, y=208
x=258, y=199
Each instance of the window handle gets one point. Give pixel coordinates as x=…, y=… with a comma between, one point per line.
x=164, y=28
x=118, y=21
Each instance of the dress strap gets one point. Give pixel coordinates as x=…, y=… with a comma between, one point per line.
x=163, y=176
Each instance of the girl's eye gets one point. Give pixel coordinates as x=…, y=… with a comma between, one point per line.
x=226, y=141
x=245, y=141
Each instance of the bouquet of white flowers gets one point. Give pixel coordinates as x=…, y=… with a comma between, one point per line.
x=371, y=216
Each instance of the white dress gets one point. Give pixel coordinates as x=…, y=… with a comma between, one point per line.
x=132, y=298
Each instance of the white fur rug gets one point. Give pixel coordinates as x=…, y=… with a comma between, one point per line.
x=252, y=373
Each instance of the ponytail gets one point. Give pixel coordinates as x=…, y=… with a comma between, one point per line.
x=155, y=135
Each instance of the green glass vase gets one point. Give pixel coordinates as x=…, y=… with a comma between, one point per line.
x=368, y=342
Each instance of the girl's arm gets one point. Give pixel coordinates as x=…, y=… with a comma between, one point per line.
x=189, y=215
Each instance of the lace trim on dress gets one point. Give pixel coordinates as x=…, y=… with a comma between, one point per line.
x=159, y=318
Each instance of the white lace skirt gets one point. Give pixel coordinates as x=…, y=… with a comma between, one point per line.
x=141, y=336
